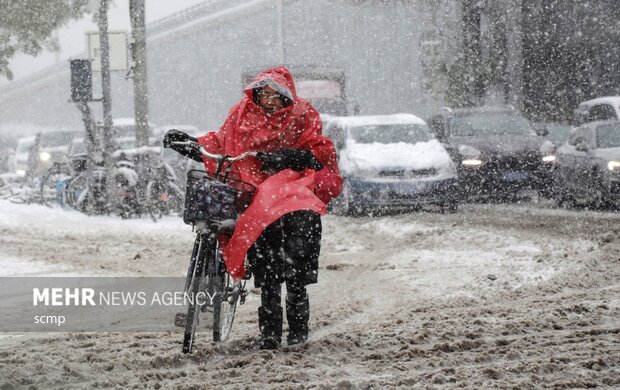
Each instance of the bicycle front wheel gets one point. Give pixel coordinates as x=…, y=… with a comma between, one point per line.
x=195, y=275
x=226, y=296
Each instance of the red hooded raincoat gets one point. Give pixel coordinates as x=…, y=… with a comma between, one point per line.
x=249, y=127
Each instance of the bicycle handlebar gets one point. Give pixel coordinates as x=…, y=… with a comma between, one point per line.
x=217, y=157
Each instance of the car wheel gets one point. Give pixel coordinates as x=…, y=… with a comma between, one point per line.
x=562, y=199
x=340, y=204
x=449, y=207
x=566, y=201
x=464, y=190
x=600, y=200
x=343, y=204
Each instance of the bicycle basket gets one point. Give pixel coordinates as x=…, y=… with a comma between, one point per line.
x=207, y=199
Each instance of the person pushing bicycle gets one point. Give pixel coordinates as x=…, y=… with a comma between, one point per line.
x=295, y=173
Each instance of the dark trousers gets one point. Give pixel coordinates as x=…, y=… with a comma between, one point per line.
x=286, y=252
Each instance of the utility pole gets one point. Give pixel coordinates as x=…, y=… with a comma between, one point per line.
x=140, y=87
x=280, y=28
x=106, y=89
x=471, y=36
x=514, y=52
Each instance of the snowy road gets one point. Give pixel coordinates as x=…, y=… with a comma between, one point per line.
x=495, y=296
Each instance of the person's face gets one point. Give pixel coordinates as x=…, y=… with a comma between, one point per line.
x=270, y=100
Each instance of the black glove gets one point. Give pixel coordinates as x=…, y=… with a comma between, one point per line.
x=174, y=135
x=297, y=160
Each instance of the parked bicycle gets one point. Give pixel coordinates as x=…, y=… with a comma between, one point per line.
x=162, y=196
x=212, y=204
x=53, y=183
x=87, y=194
x=125, y=197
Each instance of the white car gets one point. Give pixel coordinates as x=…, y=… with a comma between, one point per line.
x=599, y=109
x=390, y=162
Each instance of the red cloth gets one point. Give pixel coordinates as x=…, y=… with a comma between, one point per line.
x=249, y=127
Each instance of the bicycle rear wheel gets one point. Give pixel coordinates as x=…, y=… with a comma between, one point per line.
x=195, y=275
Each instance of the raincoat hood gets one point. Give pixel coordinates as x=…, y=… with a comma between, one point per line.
x=278, y=78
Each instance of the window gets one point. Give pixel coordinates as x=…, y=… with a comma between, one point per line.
x=609, y=136
x=489, y=123
x=601, y=112
x=318, y=89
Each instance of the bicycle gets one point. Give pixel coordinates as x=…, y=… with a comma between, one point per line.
x=162, y=194
x=212, y=203
x=86, y=192
x=53, y=183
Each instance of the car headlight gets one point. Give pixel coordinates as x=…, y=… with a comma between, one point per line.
x=549, y=159
x=472, y=162
x=471, y=156
x=613, y=165
x=44, y=156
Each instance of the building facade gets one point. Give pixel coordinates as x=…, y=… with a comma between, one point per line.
x=390, y=53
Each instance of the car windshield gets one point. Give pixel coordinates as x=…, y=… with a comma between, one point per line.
x=56, y=139
x=390, y=134
x=609, y=136
x=24, y=146
x=489, y=123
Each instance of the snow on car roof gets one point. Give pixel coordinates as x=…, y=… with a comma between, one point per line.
x=366, y=120
x=614, y=100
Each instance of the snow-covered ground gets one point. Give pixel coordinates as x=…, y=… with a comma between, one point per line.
x=495, y=296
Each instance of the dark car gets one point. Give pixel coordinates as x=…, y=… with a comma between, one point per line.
x=496, y=151
x=587, y=167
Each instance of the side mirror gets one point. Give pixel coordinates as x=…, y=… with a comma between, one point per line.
x=438, y=127
x=579, y=117
x=542, y=130
x=582, y=147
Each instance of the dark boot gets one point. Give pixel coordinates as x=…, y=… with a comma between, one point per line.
x=297, y=315
x=270, y=325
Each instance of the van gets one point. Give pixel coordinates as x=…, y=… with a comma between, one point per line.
x=390, y=162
